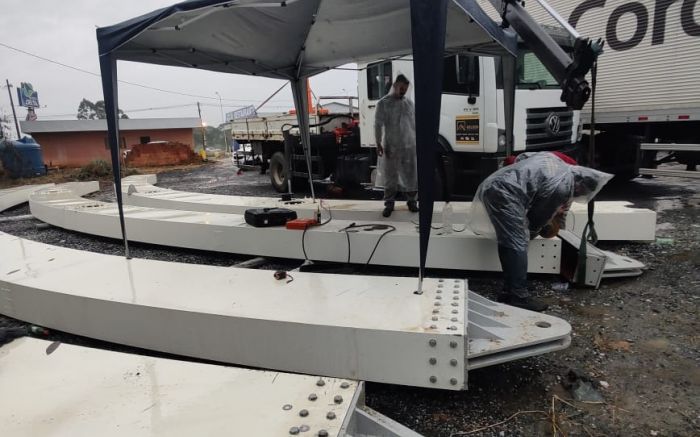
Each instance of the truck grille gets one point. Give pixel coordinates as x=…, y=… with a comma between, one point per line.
x=543, y=131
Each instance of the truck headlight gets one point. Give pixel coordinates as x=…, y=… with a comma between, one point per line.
x=502, y=140
x=579, y=132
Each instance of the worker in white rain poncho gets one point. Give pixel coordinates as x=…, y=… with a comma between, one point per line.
x=396, y=148
x=525, y=199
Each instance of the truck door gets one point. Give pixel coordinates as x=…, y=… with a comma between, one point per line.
x=460, y=116
x=374, y=83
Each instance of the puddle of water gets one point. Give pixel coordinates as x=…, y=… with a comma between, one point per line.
x=665, y=227
x=662, y=205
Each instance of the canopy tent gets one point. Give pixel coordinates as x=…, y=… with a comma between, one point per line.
x=292, y=39
x=296, y=39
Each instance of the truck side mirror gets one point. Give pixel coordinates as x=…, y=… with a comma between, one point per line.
x=467, y=75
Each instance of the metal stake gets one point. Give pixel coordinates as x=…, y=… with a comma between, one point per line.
x=420, y=282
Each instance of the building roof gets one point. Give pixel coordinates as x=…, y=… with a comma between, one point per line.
x=338, y=107
x=40, y=126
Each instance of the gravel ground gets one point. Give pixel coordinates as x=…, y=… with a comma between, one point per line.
x=639, y=336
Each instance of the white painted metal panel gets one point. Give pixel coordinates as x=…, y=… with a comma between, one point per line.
x=229, y=233
x=618, y=266
x=657, y=70
x=358, y=327
x=67, y=390
x=615, y=220
x=595, y=263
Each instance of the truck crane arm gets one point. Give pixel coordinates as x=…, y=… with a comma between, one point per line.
x=569, y=70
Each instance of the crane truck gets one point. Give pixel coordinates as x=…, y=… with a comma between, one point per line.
x=473, y=130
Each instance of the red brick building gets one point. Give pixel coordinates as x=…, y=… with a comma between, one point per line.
x=74, y=143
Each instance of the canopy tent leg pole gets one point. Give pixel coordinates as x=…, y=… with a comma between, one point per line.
x=509, y=81
x=108, y=69
x=301, y=103
x=428, y=24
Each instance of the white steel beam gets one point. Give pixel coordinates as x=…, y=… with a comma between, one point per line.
x=694, y=174
x=229, y=233
x=343, y=326
x=615, y=220
x=66, y=390
x=10, y=197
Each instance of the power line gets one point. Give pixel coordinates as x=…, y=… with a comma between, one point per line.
x=92, y=73
x=162, y=108
x=158, y=108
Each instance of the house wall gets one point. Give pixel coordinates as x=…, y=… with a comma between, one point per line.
x=76, y=149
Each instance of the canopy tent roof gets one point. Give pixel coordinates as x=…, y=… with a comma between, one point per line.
x=292, y=39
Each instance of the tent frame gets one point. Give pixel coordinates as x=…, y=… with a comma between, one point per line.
x=428, y=31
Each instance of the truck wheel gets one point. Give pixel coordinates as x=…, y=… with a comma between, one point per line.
x=278, y=172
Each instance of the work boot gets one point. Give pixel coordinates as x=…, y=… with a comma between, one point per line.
x=528, y=303
x=388, y=209
x=412, y=205
x=503, y=297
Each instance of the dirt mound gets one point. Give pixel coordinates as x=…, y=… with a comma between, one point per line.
x=161, y=153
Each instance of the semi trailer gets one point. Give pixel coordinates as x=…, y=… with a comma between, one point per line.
x=647, y=102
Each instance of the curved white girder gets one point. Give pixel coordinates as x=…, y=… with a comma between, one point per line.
x=229, y=233
x=344, y=326
x=615, y=220
x=11, y=197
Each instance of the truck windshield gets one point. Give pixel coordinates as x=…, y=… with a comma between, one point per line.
x=532, y=74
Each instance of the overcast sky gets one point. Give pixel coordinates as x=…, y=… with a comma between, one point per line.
x=64, y=31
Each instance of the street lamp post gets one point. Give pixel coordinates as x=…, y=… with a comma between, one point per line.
x=221, y=107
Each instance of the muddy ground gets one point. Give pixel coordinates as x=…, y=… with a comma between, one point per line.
x=637, y=337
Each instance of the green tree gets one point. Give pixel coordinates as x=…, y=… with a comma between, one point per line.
x=216, y=138
x=88, y=110
x=5, y=127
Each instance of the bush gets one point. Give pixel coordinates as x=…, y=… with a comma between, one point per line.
x=101, y=169
x=95, y=170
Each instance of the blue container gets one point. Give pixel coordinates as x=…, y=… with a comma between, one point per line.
x=23, y=158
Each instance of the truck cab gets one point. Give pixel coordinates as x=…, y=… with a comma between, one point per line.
x=472, y=123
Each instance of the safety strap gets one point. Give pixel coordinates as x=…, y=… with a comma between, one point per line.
x=589, y=234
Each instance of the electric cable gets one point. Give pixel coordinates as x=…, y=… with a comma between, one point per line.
x=379, y=240
x=303, y=235
x=303, y=245
x=81, y=70
x=371, y=226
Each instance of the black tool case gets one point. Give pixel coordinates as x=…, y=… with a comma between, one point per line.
x=264, y=217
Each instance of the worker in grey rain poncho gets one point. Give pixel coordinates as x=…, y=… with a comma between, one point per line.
x=396, y=148
x=518, y=202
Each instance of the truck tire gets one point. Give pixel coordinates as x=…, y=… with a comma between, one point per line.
x=279, y=175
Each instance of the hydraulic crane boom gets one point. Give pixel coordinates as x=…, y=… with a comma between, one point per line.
x=569, y=71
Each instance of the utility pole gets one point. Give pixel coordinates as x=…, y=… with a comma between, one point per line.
x=204, y=131
x=12, y=103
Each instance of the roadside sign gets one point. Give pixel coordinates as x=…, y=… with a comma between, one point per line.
x=247, y=112
x=27, y=95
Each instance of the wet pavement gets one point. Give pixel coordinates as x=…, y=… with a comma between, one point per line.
x=639, y=336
